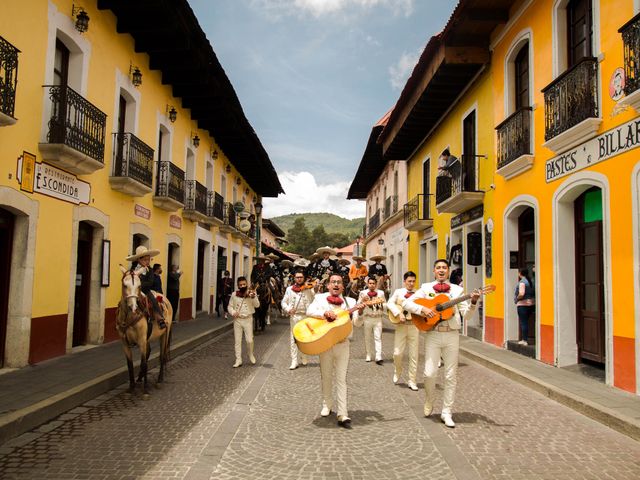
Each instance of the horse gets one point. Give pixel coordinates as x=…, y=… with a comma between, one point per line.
x=264, y=297
x=355, y=287
x=382, y=283
x=132, y=325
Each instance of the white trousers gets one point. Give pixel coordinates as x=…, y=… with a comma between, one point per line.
x=373, y=328
x=242, y=325
x=293, y=347
x=407, y=335
x=445, y=345
x=335, y=362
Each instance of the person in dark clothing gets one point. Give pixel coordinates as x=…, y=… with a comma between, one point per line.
x=173, y=288
x=157, y=279
x=223, y=295
x=144, y=272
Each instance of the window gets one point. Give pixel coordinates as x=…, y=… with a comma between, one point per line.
x=469, y=152
x=579, y=31
x=61, y=64
x=522, y=78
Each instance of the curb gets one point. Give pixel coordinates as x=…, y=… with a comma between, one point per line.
x=621, y=423
x=20, y=421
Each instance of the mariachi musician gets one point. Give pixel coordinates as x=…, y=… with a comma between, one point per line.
x=295, y=302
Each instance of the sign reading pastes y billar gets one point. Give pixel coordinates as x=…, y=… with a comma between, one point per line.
x=613, y=142
x=51, y=181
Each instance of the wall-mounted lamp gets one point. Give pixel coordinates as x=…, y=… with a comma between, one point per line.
x=82, y=19
x=195, y=139
x=172, y=113
x=214, y=154
x=258, y=207
x=136, y=75
x=228, y=168
x=381, y=241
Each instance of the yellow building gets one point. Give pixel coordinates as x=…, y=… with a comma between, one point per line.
x=119, y=128
x=547, y=179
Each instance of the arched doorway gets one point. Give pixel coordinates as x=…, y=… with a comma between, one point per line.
x=527, y=260
x=82, y=297
x=6, y=245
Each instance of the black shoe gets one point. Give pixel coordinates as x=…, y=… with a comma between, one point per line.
x=379, y=362
x=345, y=424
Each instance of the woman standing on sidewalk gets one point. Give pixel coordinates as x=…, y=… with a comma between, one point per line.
x=525, y=302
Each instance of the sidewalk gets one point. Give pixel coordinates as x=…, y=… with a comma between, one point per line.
x=610, y=406
x=37, y=393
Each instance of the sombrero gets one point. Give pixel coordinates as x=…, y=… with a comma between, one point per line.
x=301, y=262
x=273, y=256
x=327, y=249
x=343, y=261
x=286, y=263
x=377, y=258
x=261, y=257
x=358, y=257
x=314, y=257
x=142, y=251
x=333, y=257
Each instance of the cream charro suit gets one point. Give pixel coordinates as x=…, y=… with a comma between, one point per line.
x=406, y=335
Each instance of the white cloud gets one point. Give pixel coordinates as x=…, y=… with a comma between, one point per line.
x=277, y=9
x=304, y=194
x=399, y=73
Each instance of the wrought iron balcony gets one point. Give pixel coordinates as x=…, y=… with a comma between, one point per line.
x=456, y=190
x=76, y=136
x=195, y=204
x=571, y=99
x=132, y=165
x=215, y=208
x=374, y=222
x=514, y=143
x=631, y=39
x=169, y=187
x=417, y=213
x=230, y=219
x=8, y=82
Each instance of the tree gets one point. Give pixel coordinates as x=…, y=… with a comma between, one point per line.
x=299, y=237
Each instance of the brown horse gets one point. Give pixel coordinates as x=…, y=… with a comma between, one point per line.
x=132, y=326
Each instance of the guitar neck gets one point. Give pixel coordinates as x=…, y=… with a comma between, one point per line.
x=455, y=301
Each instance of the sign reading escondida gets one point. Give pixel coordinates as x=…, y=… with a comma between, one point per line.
x=53, y=182
x=609, y=144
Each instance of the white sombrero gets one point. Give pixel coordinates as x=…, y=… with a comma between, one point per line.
x=261, y=257
x=273, y=256
x=301, y=262
x=326, y=249
x=377, y=258
x=357, y=257
x=142, y=251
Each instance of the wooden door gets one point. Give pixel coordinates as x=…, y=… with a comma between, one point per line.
x=522, y=78
x=83, y=284
x=527, y=256
x=590, y=323
x=6, y=245
x=579, y=30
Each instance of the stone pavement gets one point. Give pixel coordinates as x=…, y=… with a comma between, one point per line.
x=34, y=394
x=213, y=421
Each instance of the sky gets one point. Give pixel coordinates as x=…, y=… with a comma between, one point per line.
x=313, y=77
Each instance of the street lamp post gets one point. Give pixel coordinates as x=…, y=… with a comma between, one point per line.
x=258, y=207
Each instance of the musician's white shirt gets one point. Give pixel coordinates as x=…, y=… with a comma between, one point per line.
x=373, y=310
x=394, y=305
x=320, y=305
x=244, y=306
x=300, y=301
x=466, y=308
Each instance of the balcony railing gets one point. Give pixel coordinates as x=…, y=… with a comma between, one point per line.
x=8, y=80
x=417, y=212
x=514, y=136
x=631, y=39
x=170, y=184
x=571, y=98
x=374, y=222
x=195, y=199
x=215, y=206
x=132, y=160
x=76, y=122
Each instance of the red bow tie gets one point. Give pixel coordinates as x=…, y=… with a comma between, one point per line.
x=296, y=288
x=408, y=294
x=372, y=294
x=334, y=300
x=441, y=287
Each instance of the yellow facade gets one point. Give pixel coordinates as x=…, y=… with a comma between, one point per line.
x=41, y=303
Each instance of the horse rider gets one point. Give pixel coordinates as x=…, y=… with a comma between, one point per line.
x=378, y=269
x=343, y=270
x=242, y=306
x=261, y=272
x=142, y=259
x=357, y=270
x=325, y=265
x=372, y=320
x=295, y=302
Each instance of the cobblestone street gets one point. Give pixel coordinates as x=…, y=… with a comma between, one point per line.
x=213, y=421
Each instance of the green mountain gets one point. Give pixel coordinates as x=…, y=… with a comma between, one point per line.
x=332, y=223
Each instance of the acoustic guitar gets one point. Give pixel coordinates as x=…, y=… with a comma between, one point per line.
x=443, y=305
x=316, y=335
